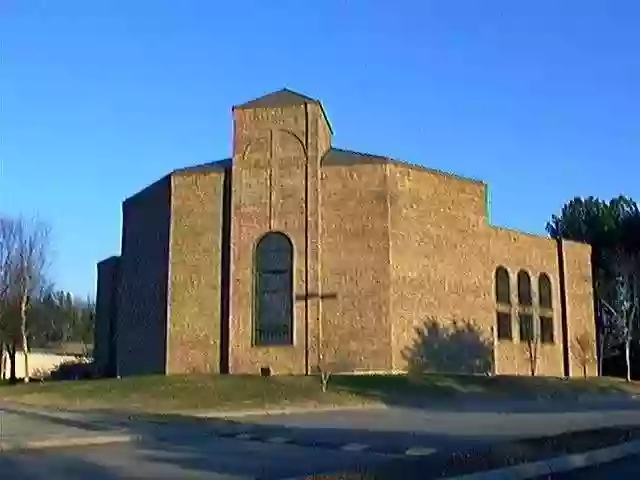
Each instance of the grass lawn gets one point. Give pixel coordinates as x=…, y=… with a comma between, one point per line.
x=240, y=392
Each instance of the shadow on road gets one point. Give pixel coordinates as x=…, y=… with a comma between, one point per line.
x=210, y=445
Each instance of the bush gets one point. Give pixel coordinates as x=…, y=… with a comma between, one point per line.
x=78, y=369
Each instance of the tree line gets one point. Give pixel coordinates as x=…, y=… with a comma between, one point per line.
x=612, y=228
x=32, y=312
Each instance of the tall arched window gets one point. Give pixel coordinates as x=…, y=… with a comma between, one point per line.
x=524, y=289
x=545, y=301
x=503, y=288
x=544, y=291
x=503, y=304
x=273, y=271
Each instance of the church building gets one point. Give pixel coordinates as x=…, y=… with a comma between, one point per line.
x=294, y=254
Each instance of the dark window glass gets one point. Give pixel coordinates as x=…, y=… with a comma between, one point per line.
x=273, y=316
x=544, y=291
x=503, y=288
x=526, y=327
x=504, y=326
x=524, y=288
x=546, y=329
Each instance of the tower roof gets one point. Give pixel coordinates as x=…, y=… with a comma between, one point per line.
x=281, y=98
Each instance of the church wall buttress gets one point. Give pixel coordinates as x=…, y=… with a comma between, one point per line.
x=274, y=188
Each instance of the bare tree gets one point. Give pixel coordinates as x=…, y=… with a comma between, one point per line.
x=7, y=333
x=25, y=272
x=326, y=368
x=532, y=350
x=583, y=351
x=624, y=308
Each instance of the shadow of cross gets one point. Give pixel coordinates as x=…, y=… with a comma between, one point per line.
x=312, y=296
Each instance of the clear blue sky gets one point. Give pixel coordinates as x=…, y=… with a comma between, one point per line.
x=539, y=98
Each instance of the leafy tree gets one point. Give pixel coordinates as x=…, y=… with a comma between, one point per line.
x=613, y=231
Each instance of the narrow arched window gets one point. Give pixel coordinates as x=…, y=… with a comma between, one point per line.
x=544, y=291
x=503, y=304
x=503, y=288
x=524, y=289
x=273, y=271
x=545, y=301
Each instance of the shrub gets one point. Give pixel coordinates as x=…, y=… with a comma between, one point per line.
x=79, y=369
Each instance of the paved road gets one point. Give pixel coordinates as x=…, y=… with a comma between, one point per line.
x=216, y=459
x=625, y=469
x=279, y=446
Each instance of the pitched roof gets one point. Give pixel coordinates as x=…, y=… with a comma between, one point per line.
x=281, y=98
x=204, y=167
x=338, y=157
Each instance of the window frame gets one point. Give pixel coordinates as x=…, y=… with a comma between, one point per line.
x=497, y=284
x=545, y=279
x=522, y=337
x=508, y=318
x=258, y=275
x=528, y=301
x=547, y=339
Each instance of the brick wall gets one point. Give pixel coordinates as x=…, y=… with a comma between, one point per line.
x=195, y=325
x=142, y=300
x=275, y=188
x=580, y=308
x=444, y=256
x=106, y=314
x=356, y=323
x=536, y=255
x=436, y=270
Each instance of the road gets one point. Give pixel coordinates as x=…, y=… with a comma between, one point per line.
x=215, y=459
x=281, y=446
x=625, y=469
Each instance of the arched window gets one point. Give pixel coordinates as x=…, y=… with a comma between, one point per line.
x=273, y=271
x=545, y=301
x=503, y=287
x=503, y=303
x=524, y=288
x=544, y=291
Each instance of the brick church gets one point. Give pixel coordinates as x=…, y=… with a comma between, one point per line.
x=293, y=254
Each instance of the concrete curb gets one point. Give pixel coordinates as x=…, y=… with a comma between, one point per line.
x=285, y=411
x=68, y=442
x=557, y=464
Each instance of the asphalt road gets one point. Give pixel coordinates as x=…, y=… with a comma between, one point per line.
x=625, y=469
x=215, y=459
x=281, y=446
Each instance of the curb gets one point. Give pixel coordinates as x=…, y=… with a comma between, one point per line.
x=557, y=464
x=284, y=411
x=67, y=442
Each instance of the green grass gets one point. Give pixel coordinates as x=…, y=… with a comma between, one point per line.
x=242, y=392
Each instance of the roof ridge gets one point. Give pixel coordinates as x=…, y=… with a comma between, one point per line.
x=284, y=96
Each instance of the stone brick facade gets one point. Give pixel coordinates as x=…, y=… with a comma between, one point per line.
x=393, y=265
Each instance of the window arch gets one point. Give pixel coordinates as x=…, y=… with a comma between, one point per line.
x=544, y=291
x=273, y=283
x=503, y=286
x=545, y=302
x=524, y=289
x=503, y=303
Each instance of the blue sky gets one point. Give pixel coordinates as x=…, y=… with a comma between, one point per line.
x=100, y=98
